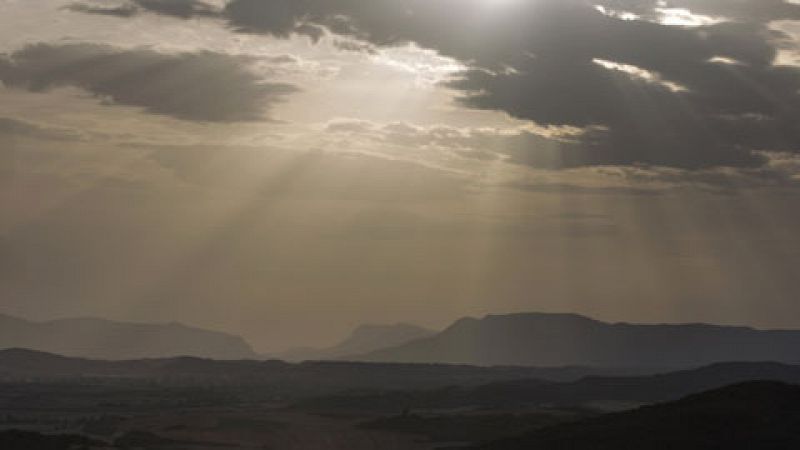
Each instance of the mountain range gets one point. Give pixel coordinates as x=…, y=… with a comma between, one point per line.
x=554, y=340
x=530, y=339
x=105, y=339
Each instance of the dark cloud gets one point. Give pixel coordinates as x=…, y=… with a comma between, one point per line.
x=709, y=114
x=563, y=188
x=202, y=86
x=277, y=17
x=659, y=99
x=177, y=8
x=115, y=11
x=183, y=9
x=652, y=94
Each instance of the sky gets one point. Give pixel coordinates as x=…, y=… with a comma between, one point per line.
x=289, y=169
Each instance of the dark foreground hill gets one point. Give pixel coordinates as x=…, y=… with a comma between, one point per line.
x=105, y=339
x=755, y=415
x=29, y=440
x=552, y=340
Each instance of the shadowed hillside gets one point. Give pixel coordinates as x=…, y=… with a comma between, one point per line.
x=28, y=440
x=755, y=415
x=532, y=393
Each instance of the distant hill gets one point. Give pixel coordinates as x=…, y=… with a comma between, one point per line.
x=282, y=378
x=364, y=339
x=553, y=340
x=754, y=415
x=593, y=391
x=105, y=339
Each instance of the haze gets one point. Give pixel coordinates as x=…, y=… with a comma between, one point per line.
x=286, y=170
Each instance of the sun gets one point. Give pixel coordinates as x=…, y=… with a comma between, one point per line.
x=497, y=6
x=499, y=3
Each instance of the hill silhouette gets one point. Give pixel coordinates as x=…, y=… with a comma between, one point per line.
x=552, y=340
x=105, y=339
x=591, y=390
x=755, y=415
x=307, y=378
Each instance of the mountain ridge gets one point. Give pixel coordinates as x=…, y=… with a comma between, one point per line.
x=554, y=340
x=97, y=338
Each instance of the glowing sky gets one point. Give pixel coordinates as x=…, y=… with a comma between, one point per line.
x=268, y=166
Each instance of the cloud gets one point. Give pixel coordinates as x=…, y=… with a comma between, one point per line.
x=645, y=76
x=201, y=86
x=743, y=10
x=183, y=9
x=545, y=149
x=18, y=128
x=485, y=144
x=551, y=149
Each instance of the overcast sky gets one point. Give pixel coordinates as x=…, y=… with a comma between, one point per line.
x=289, y=169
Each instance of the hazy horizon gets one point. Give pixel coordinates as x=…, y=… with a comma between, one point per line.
x=288, y=170
x=277, y=350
